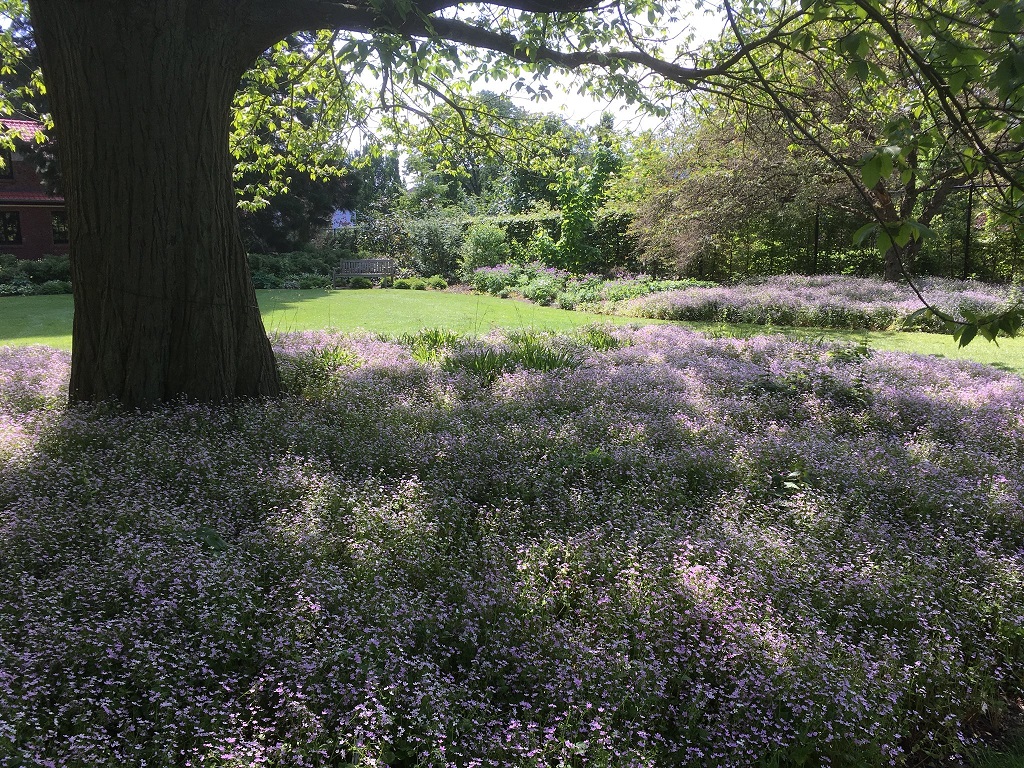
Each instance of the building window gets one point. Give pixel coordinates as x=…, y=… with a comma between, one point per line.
x=10, y=228
x=7, y=171
x=60, y=227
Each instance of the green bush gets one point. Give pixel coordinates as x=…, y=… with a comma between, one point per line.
x=9, y=268
x=436, y=244
x=436, y=283
x=289, y=266
x=309, y=281
x=265, y=280
x=410, y=283
x=360, y=283
x=47, y=269
x=545, y=285
x=543, y=288
x=542, y=249
x=495, y=279
x=28, y=277
x=484, y=246
x=53, y=287
x=521, y=228
x=20, y=286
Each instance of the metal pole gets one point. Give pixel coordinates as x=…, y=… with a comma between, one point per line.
x=817, y=235
x=970, y=223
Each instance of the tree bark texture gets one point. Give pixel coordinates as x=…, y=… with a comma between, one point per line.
x=141, y=92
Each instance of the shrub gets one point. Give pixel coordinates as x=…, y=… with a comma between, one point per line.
x=15, y=289
x=436, y=244
x=53, y=287
x=484, y=246
x=543, y=288
x=47, y=269
x=291, y=265
x=9, y=268
x=495, y=279
x=386, y=236
x=521, y=227
x=308, y=282
x=27, y=277
x=360, y=283
x=542, y=249
x=265, y=280
x=436, y=282
x=410, y=283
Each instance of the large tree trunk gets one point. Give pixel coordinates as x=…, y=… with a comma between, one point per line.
x=141, y=94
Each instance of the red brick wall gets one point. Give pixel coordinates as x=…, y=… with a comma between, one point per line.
x=36, y=221
x=36, y=234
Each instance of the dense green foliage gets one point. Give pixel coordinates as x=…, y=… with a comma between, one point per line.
x=485, y=246
x=23, y=277
x=542, y=284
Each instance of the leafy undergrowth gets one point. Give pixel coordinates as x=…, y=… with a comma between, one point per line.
x=621, y=548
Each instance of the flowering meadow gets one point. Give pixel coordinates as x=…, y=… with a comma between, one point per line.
x=824, y=301
x=625, y=547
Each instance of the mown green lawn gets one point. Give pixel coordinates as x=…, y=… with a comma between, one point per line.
x=47, y=320
x=392, y=311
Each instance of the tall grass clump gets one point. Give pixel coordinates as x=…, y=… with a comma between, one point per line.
x=677, y=551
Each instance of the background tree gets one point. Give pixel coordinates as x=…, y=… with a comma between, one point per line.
x=724, y=198
x=910, y=102
x=489, y=156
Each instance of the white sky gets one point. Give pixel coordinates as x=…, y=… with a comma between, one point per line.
x=575, y=107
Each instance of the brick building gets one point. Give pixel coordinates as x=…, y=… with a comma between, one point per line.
x=33, y=223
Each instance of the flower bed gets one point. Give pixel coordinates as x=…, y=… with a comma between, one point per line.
x=676, y=551
x=829, y=301
x=547, y=285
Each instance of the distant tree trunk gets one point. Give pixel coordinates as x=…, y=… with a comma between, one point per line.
x=141, y=93
x=893, y=268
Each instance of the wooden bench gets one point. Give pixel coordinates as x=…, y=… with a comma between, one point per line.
x=372, y=269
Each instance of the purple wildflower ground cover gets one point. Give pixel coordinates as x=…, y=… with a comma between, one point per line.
x=823, y=301
x=680, y=551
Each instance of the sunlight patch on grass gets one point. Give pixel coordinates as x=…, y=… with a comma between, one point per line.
x=400, y=311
